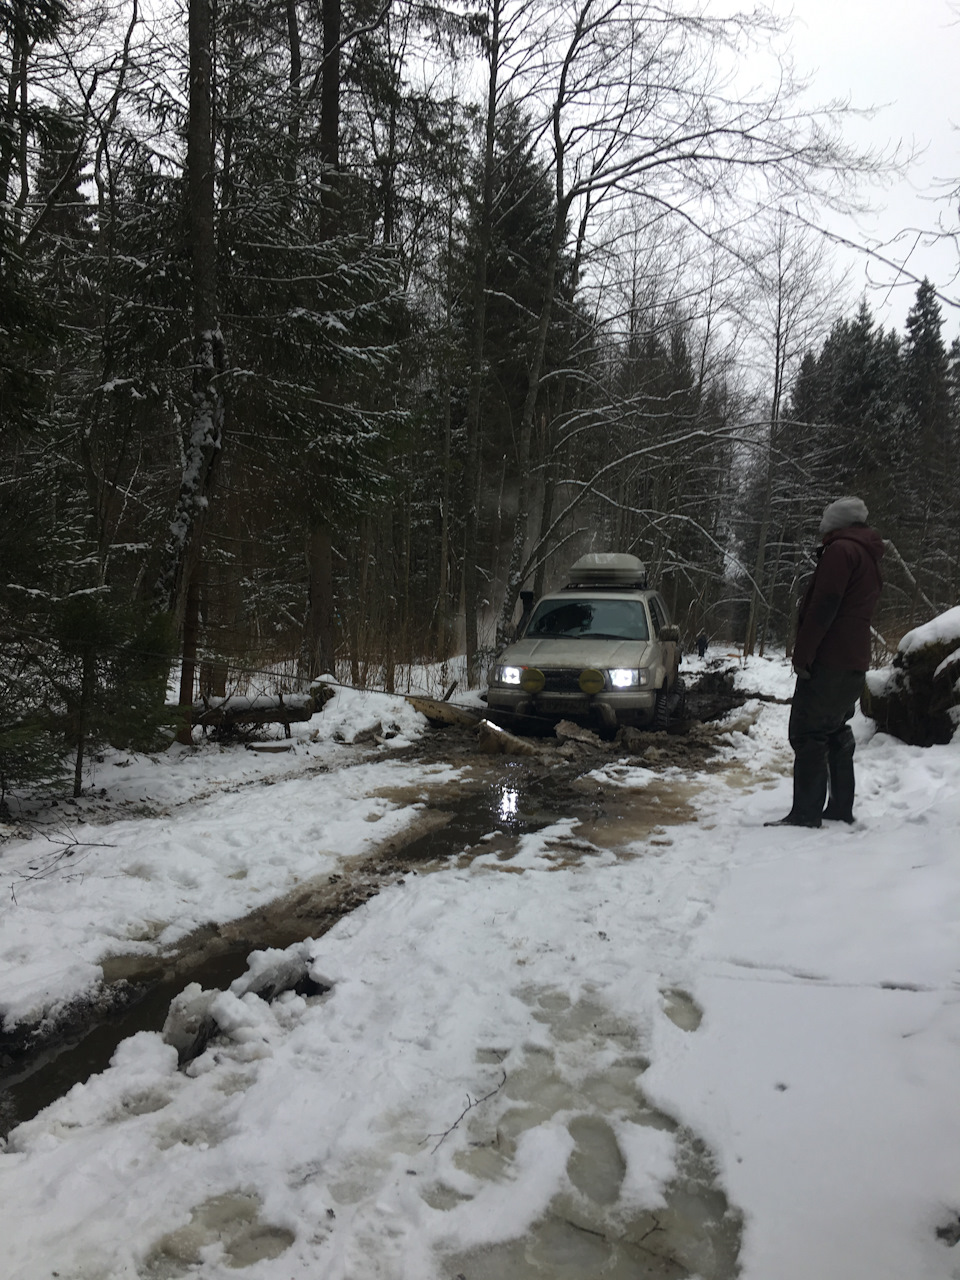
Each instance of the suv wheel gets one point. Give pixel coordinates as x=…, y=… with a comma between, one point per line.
x=661, y=709
x=680, y=698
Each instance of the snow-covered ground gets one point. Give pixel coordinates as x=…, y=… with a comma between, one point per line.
x=593, y=1058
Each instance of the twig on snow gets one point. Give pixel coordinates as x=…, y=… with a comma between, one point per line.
x=40, y=868
x=471, y=1103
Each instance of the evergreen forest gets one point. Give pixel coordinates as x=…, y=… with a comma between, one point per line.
x=329, y=326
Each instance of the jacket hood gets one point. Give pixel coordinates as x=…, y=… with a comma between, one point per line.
x=862, y=534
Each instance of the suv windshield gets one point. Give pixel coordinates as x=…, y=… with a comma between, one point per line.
x=595, y=619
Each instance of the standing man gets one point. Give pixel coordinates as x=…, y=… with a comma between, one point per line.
x=831, y=656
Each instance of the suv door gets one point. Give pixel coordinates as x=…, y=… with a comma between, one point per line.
x=669, y=648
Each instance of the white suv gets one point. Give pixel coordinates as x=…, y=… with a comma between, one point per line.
x=600, y=650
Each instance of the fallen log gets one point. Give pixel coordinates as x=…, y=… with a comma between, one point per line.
x=438, y=712
x=264, y=708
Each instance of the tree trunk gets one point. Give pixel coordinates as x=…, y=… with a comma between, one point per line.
x=88, y=685
x=185, y=536
x=471, y=471
x=515, y=574
x=442, y=637
x=188, y=662
x=750, y=637
x=320, y=640
x=330, y=87
x=293, y=123
x=546, y=514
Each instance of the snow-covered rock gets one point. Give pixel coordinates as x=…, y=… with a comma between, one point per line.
x=917, y=698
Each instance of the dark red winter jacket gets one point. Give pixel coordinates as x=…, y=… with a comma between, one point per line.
x=834, y=622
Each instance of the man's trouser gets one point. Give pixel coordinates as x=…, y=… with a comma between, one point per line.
x=823, y=744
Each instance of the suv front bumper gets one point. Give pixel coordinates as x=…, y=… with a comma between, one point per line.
x=631, y=707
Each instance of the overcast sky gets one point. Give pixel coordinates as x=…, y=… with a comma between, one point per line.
x=901, y=56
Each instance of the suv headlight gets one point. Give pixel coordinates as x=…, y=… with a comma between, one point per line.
x=628, y=677
x=507, y=675
x=624, y=677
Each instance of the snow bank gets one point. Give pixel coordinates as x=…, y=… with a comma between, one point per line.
x=944, y=629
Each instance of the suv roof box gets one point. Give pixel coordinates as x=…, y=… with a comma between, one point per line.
x=607, y=569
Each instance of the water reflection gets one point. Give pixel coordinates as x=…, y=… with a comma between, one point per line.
x=509, y=805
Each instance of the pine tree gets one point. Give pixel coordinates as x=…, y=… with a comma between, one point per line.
x=928, y=467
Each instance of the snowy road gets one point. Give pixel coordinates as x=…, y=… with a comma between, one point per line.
x=613, y=1047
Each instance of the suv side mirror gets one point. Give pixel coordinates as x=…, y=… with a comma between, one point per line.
x=668, y=634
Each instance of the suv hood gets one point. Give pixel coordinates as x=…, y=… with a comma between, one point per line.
x=586, y=652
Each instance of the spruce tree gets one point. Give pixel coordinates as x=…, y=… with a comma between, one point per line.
x=928, y=472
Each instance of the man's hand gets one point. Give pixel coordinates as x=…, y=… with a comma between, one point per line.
x=803, y=673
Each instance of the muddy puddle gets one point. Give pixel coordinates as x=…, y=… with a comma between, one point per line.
x=739, y=778
x=626, y=817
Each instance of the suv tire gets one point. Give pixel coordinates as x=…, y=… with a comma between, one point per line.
x=680, y=698
x=661, y=709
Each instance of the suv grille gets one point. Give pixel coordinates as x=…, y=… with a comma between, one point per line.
x=561, y=679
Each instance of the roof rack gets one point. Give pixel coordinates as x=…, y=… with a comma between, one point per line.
x=588, y=584
x=609, y=570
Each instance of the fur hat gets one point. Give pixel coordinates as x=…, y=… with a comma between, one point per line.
x=843, y=513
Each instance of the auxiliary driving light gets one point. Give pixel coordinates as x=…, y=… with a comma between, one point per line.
x=532, y=680
x=592, y=680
